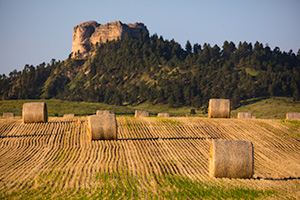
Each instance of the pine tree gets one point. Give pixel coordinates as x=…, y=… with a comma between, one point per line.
x=296, y=95
x=188, y=47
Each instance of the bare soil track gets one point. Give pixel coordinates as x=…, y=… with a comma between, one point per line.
x=52, y=158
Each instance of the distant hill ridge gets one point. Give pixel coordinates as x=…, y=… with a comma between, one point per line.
x=89, y=34
x=140, y=68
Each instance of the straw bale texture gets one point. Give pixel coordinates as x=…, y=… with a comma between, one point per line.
x=253, y=117
x=243, y=115
x=34, y=112
x=293, y=116
x=69, y=115
x=139, y=113
x=8, y=114
x=231, y=159
x=219, y=108
x=163, y=115
x=102, y=127
x=102, y=112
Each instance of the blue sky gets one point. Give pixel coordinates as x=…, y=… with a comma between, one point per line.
x=35, y=31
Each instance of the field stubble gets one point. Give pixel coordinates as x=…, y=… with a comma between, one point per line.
x=153, y=158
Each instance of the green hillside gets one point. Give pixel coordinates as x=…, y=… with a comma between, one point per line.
x=268, y=108
x=158, y=71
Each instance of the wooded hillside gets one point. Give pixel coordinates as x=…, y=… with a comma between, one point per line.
x=132, y=71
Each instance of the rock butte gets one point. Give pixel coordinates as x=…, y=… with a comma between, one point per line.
x=91, y=32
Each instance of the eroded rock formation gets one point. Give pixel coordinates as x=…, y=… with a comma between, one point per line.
x=87, y=35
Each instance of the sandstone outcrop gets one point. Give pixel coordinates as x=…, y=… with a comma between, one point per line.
x=87, y=35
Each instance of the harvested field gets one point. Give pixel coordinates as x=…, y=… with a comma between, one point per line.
x=152, y=158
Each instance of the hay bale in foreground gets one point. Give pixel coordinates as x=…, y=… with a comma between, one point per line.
x=102, y=127
x=7, y=115
x=69, y=115
x=140, y=113
x=219, y=108
x=231, y=159
x=163, y=115
x=293, y=116
x=244, y=115
x=34, y=112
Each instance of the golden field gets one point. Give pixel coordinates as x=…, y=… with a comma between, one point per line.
x=153, y=158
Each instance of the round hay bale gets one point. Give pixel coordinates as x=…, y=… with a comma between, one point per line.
x=244, y=115
x=69, y=115
x=34, y=112
x=219, y=108
x=8, y=115
x=253, y=117
x=231, y=159
x=102, y=127
x=139, y=113
x=163, y=115
x=293, y=116
x=102, y=112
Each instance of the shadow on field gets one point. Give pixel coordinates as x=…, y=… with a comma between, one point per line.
x=253, y=101
x=66, y=121
x=278, y=179
x=32, y=135
x=169, y=138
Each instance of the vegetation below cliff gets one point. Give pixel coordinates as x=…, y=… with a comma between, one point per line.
x=132, y=71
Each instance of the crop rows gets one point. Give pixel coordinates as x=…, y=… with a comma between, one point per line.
x=152, y=158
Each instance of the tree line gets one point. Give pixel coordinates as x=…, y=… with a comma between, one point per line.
x=132, y=71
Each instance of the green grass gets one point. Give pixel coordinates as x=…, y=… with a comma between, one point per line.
x=271, y=108
x=169, y=122
x=59, y=108
x=115, y=186
x=163, y=108
x=293, y=127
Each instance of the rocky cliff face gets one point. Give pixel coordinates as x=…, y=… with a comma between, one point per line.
x=89, y=34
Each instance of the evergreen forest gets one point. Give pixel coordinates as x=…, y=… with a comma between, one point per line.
x=151, y=68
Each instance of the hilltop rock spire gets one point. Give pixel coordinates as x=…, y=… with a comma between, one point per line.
x=88, y=34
